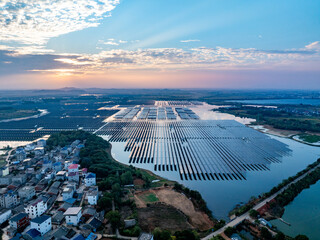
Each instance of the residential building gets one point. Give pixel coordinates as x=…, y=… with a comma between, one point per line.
x=20, y=154
x=61, y=175
x=92, y=196
x=4, y=171
x=36, y=208
x=9, y=199
x=73, y=177
x=19, y=179
x=32, y=234
x=73, y=168
x=5, y=180
x=90, y=179
x=73, y=215
x=67, y=193
x=42, y=224
x=41, y=143
x=38, y=151
x=27, y=192
x=47, y=164
x=5, y=214
x=57, y=218
x=19, y=221
x=57, y=166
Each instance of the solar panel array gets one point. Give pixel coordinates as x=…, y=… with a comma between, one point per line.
x=197, y=149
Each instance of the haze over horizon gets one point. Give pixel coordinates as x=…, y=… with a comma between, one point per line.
x=160, y=44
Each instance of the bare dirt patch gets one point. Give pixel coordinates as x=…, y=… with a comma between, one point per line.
x=197, y=219
x=162, y=216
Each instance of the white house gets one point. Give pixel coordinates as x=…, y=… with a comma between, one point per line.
x=4, y=171
x=42, y=224
x=92, y=196
x=90, y=179
x=5, y=214
x=73, y=215
x=67, y=193
x=36, y=208
x=38, y=151
x=61, y=175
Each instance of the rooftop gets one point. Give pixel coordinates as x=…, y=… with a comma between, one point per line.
x=33, y=233
x=91, y=175
x=72, y=211
x=18, y=216
x=41, y=219
x=73, y=166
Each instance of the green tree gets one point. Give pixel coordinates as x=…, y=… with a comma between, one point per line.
x=265, y=234
x=229, y=231
x=105, y=202
x=301, y=237
x=161, y=234
x=253, y=213
x=114, y=219
x=280, y=236
x=126, y=178
x=186, y=235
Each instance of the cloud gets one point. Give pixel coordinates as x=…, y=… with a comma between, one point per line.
x=35, y=22
x=163, y=60
x=314, y=45
x=112, y=41
x=190, y=40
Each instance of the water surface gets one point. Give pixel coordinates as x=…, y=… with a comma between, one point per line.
x=303, y=213
x=223, y=196
x=315, y=102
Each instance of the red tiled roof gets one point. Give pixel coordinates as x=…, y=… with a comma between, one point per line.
x=73, y=166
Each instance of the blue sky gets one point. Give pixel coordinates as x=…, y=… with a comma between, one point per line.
x=271, y=24
x=111, y=39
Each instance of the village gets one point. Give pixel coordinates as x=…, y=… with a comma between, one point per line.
x=45, y=194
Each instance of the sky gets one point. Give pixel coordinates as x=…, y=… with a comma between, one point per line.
x=267, y=44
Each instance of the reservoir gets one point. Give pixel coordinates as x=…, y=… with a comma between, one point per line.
x=303, y=214
x=315, y=102
x=222, y=196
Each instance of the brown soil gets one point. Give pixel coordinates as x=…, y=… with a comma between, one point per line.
x=138, y=182
x=197, y=219
x=281, y=132
x=162, y=216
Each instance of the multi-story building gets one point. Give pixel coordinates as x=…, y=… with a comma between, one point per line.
x=36, y=208
x=41, y=143
x=90, y=179
x=9, y=199
x=42, y=224
x=73, y=177
x=5, y=214
x=73, y=168
x=4, y=171
x=20, y=154
x=19, y=221
x=27, y=192
x=92, y=196
x=73, y=215
x=67, y=193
